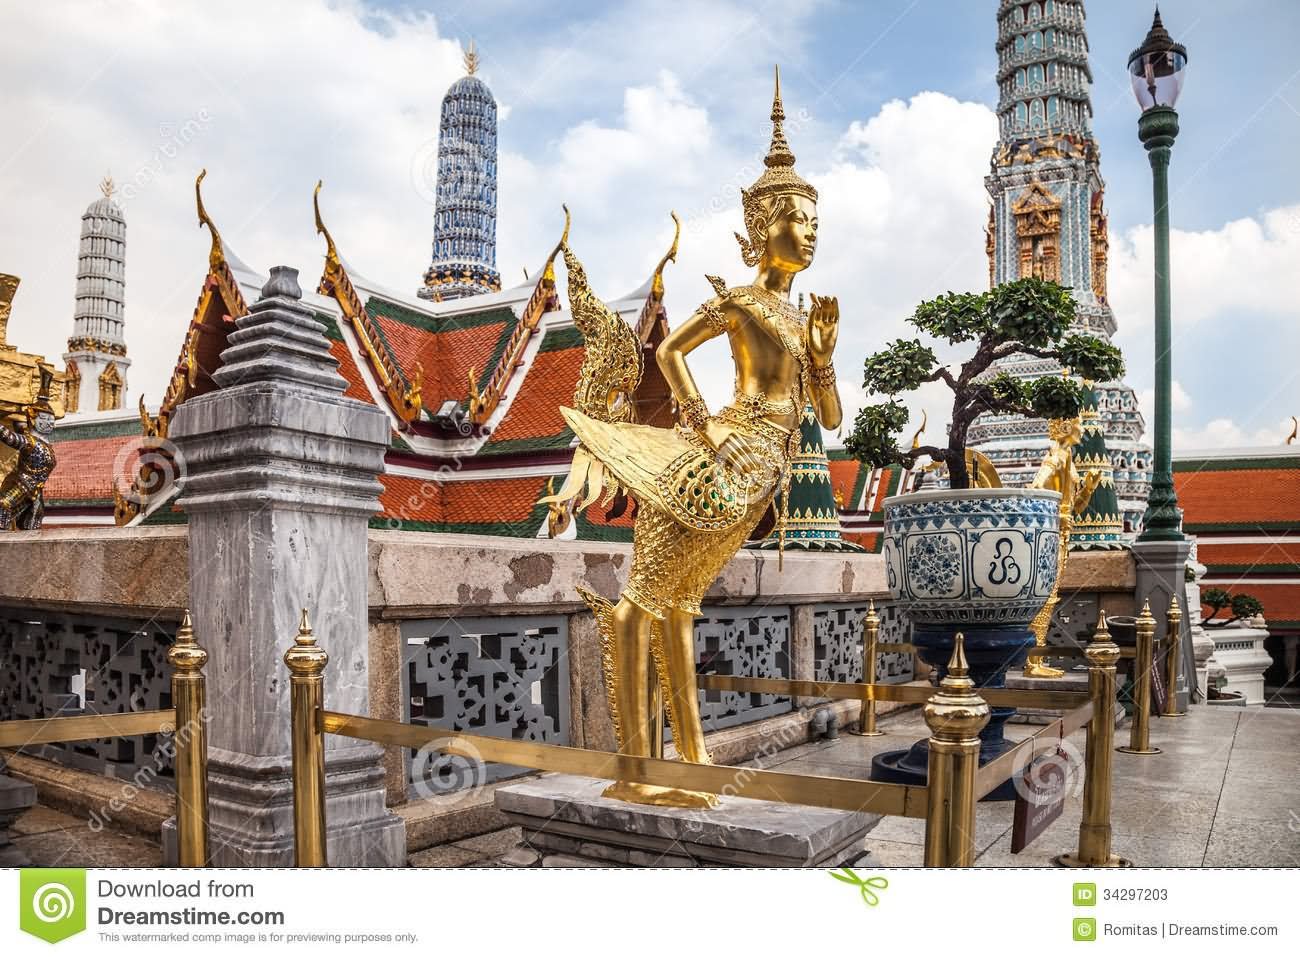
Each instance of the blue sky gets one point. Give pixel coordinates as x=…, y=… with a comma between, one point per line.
x=1241, y=111
x=626, y=110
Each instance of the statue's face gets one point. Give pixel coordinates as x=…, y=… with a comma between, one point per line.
x=44, y=423
x=792, y=234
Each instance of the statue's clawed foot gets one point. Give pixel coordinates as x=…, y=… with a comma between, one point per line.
x=660, y=796
x=1036, y=668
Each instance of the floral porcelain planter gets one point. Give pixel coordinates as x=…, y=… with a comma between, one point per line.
x=979, y=561
x=984, y=556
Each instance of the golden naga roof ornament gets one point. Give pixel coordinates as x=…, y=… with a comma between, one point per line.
x=548, y=274
x=332, y=260
x=216, y=256
x=778, y=179
x=657, y=283
x=405, y=393
x=1295, y=430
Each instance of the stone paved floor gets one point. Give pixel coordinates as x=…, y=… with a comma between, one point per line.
x=1223, y=793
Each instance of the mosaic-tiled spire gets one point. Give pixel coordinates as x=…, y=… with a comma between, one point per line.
x=1099, y=524
x=1048, y=219
x=96, y=356
x=465, y=208
x=814, y=518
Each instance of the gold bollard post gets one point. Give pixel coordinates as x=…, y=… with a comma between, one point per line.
x=955, y=715
x=1173, y=645
x=1139, y=741
x=306, y=662
x=1094, y=829
x=870, y=639
x=189, y=698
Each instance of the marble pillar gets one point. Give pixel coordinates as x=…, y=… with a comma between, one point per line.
x=1161, y=572
x=279, y=483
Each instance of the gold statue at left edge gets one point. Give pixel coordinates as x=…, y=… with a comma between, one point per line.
x=1058, y=473
x=27, y=413
x=702, y=487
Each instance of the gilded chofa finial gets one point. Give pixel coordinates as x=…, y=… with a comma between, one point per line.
x=185, y=656
x=657, y=283
x=214, y=255
x=332, y=260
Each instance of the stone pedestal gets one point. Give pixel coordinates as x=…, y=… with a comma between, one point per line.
x=1161, y=572
x=15, y=798
x=279, y=483
x=565, y=817
x=1240, y=653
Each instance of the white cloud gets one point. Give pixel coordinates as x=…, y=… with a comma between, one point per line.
x=1224, y=433
x=1179, y=400
x=350, y=94
x=1246, y=266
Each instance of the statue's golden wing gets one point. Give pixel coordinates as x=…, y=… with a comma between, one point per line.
x=611, y=368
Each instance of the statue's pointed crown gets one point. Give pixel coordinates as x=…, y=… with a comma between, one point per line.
x=779, y=175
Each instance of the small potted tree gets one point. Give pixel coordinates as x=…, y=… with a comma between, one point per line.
x=978, y=560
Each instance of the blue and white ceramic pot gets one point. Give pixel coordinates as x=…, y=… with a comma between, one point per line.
x=980, y=561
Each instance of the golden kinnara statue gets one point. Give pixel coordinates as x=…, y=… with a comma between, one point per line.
x=1059, y=474
x=702, y=487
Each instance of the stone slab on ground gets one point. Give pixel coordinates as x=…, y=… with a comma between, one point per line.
x=16, y=797
x=566, y=815
x=1070, y=681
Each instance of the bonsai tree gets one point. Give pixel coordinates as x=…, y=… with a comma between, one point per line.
x=1241, y=606
x=1031, y=316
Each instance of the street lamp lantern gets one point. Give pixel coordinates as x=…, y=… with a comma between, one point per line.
x=1157, y=68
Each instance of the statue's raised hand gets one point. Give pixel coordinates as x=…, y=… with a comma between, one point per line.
x=823, y=328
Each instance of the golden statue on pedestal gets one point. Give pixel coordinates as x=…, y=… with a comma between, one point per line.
x=702, y=487
x=30, y=400
x=1059, y=474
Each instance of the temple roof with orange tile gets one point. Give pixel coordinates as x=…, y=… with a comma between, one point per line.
x=1243, y=506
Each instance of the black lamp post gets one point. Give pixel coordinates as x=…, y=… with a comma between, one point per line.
x=1157, y=69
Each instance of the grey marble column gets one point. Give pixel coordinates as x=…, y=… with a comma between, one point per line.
x=279, y=483
x=1161, y=572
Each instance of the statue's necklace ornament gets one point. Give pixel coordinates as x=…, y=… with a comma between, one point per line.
x=703, y=487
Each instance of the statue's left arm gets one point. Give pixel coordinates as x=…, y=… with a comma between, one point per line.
x=823, y=331
x=10, y=438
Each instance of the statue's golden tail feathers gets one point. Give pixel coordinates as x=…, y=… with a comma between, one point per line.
x=587, y=472
x=603, y=609
x=612, y=364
